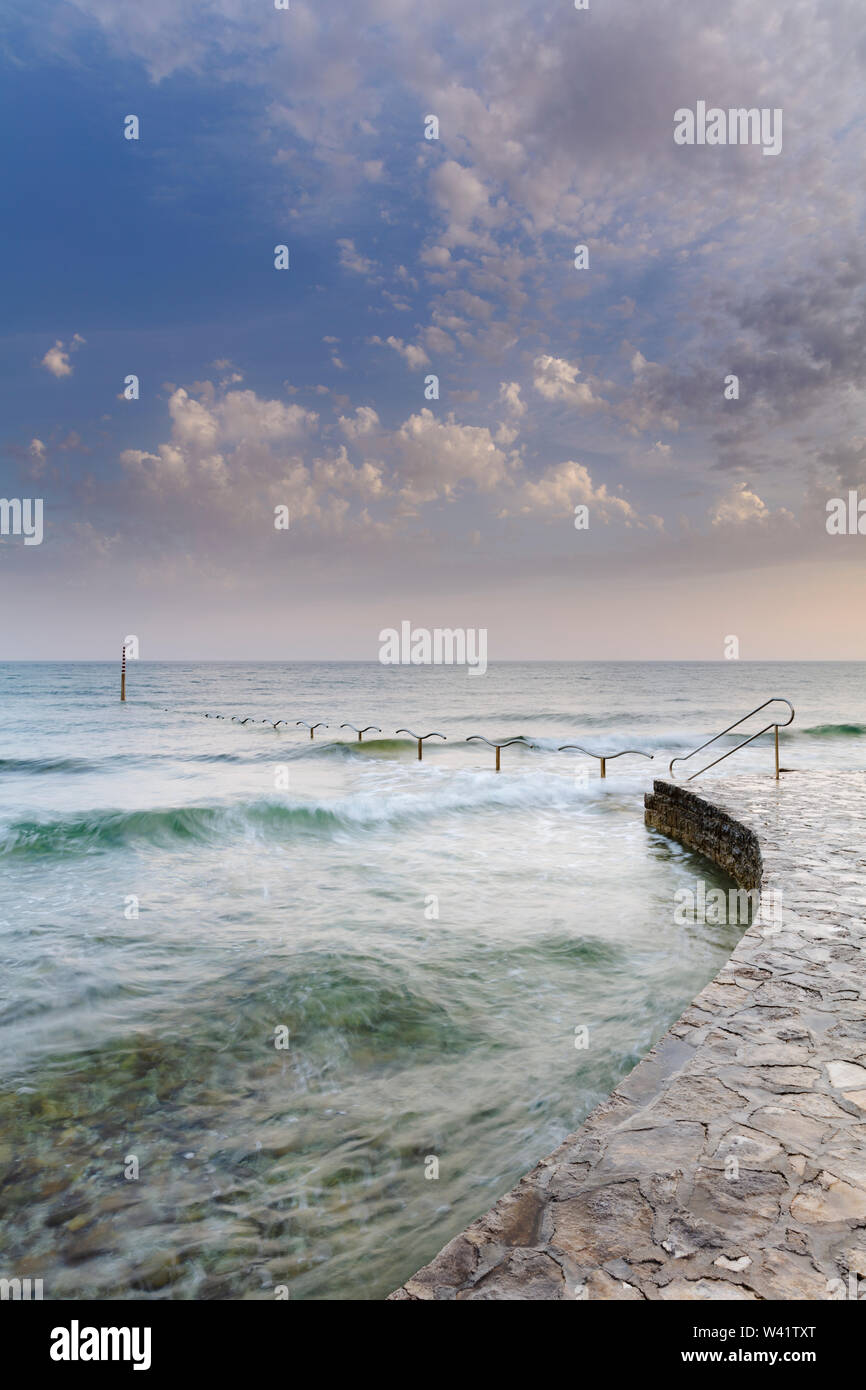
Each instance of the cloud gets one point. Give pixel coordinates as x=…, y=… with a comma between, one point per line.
x=649, y=401
x=413, y=355
x=338, y=474
x=230, y=436
x=506, y=435
x=365, y=422
x=461, y=196
x=437, y=458
x=509, y=397
x=56, y=360
x=36, y=458
x=436, y=256
x=657, y=461
x=242, y=415
x=438, y=340
x=556, y=380
x=351, y=259
x=162, y=472
x=709, y=259
x=741, y=506
x=563, y=486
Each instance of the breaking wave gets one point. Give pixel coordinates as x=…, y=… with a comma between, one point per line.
x=273, y=820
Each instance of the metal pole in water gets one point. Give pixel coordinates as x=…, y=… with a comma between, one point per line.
x=777, y=752
x=479, y=738
x=419, y=737
x=123, y=672
x=361, y=732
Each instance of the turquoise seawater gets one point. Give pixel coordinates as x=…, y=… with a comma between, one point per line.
x=178, y=894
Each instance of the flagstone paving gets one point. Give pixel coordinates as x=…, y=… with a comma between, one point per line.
x=731, y=1163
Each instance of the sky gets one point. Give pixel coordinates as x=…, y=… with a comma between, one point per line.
x=410, y=258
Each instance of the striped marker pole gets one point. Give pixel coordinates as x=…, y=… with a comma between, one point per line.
x=123, y=673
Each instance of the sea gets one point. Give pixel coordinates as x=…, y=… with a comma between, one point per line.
x=280, y=1015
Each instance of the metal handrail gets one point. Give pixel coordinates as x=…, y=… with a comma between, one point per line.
x=491, y=743
x=302, y=723
x=361, y=732
x=421, y=738
x=605, y=758
x=774, y=700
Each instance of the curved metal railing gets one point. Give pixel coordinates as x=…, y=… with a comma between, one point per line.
x=506, y=743
x=361, y=732
x=420, y=738
x=774, y=700
x=605, y=758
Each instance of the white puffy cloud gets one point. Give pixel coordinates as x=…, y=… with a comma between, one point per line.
x=565, y=485
x=232, y=449
x=164, y=471
x=556, y=380
x=194, y=427
x=509, y=396
x=506, y=435
x=338, y=474
x=244, y=415
x=741, y=506
x=413, y=355
x=436, y=256
x=437, y=457
x=56, y=360
x=365, y=422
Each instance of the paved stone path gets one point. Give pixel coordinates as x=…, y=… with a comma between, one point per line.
x=731, y=1163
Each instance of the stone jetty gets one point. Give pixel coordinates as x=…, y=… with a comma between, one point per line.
x=731, y=1162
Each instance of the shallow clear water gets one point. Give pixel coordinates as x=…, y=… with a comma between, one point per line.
x=430, y=934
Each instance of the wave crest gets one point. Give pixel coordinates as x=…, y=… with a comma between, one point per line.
x=270, y=819
x=835, y=730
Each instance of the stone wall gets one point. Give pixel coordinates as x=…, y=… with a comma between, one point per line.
x=705, y=827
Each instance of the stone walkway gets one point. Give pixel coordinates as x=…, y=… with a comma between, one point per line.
x=731, y=1163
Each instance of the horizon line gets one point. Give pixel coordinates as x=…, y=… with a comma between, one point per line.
x=503, y=661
